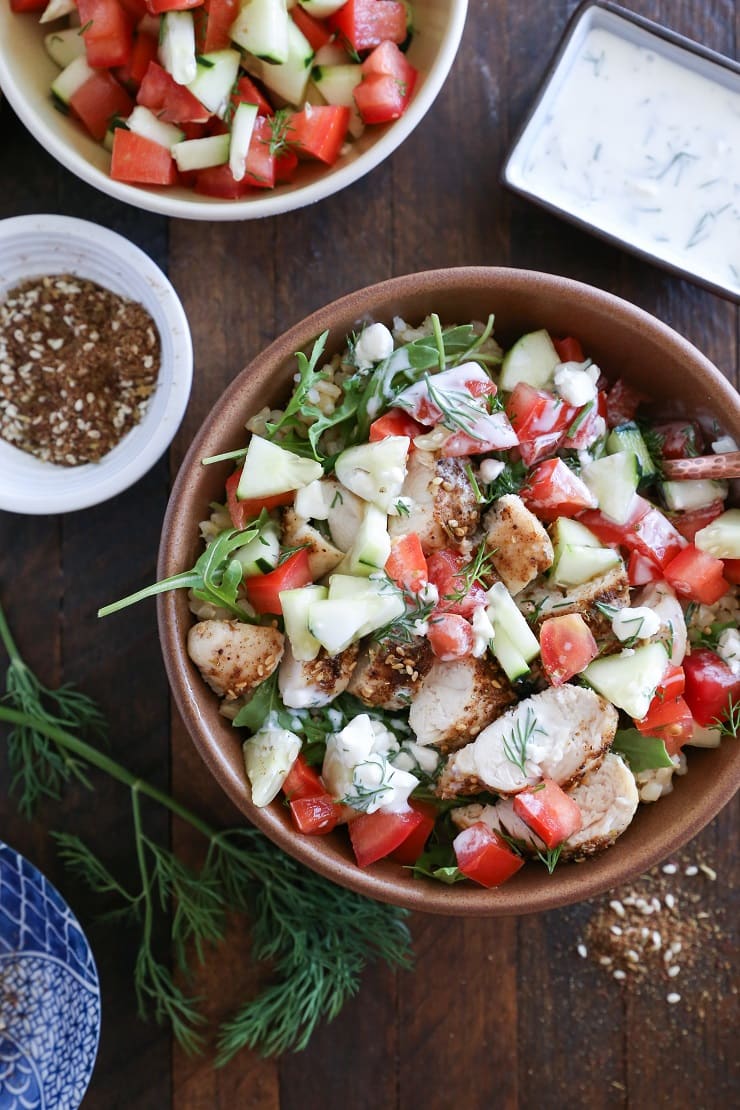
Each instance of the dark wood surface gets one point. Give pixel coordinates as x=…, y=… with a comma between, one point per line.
x=497, y=1013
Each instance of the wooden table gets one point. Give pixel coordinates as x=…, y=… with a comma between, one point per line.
x=498, y=1013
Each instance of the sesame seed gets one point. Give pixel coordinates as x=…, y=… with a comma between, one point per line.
x=618, y=908
x=673, y=998
x=691, y=871
x=582, y=951
x=670, y=901
x=616, y=930
x=708, y=871
x=669, y=868
x=619, y=974
x=674, y=971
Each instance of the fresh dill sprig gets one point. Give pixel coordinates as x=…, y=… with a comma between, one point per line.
x=550, y=857
x=510, y=480
x=515, y=744
x=475, y=573
x=729, y=725
x=654, y=442
x=280, y=125
x=403, y=629
x=708, y=635
x=316, y=936
x=458, y=408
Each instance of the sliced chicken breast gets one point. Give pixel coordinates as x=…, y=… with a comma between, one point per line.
x=672, y=632
x=305, y=685
x=607, y=798
x=388, y=675
x=234, y=657
x=542, y=600
x=560, y=734
x=323, y=556
x=443, y=510
x=519, y=544
x=457, y=699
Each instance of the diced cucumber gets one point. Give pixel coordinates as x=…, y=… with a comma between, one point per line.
x=571, y=532
x=337, y=624
x=721, y=538
x=214, y=79
x=331, y=54
x=506, y=617
x=693, y=493
x=262, y=28
x=72, y=78
x=296, y=605
x=629, y=680
x=344, y=586
x=177, y=46
x=532, y=359
x=270, y=469
x=242, y=127
x=290, y=78
x=387, y=606
x=577, y=564
x=512, y=661
x=143, y=122
x=320, y=9
x=199, y=154
x=628, y=437
x=337, y=83
x=55, y=9
x=375, y=471
x=262, y=554
x=371, y=547
x=268, y=756
x=64, y=46
x=613, y=481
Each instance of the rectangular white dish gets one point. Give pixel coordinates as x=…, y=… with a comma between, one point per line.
x=635, y=135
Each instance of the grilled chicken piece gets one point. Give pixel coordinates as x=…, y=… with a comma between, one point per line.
x=607, y=798
x=457, y=699
x=672, y=632
x=560, y=734
x=520, y=546
x=542, y=600
x=234, y=657
x=323, y=556
x=304, y=685
x=443, y=510
x=389, y=674
x=345, y=513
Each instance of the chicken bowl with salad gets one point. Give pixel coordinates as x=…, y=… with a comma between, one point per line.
x=440, y=623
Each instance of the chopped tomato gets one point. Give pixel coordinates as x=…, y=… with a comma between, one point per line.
x=263, y=591
x=260, y=164
x=641, y=570
x=553, y=490
x=395, y=422
x=710, y=686
x=450, y=636
x=647, y=531
x=381, y=98
x=732, y=571
x=622, y=403
x=550, y=813
x=319, y=131
x=27, y=5
x=671, y=685
x=143, y=52
x=587, y=426
x=484, y=856
x=137, y=9
x=411, y=848
x=212, y=25
x=219, y=181
x=314, y=816
x=241, y=512
x=406, y=564
x=141, y=161
x=169, y=101
x=567, y=645
x=247, y=92
x=490, y=432
x=389, y=60
x=375, y=835
x=670, y=720
x=539, y=419
x=688, y=523
x=697, y=575
x=444, y=568
x=364, y=24
x=156, y=7
x=302, y=781
x=108, y=32
x=681, y=439
x=98, y=101
x=569, y=349
x=315, y=30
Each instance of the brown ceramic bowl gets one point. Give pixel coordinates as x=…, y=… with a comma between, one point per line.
x=626, y=342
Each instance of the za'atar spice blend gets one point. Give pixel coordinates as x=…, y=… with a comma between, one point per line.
x=78, y=365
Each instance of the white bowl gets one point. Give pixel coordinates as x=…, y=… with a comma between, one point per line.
x=32, y=246
x=26, y=73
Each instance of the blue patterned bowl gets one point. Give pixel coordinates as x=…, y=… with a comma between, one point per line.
x=49, y=994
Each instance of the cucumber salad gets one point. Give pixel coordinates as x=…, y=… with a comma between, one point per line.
x=226, y=96
x=458, y=608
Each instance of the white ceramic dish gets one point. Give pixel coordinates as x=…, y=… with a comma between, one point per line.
x=635, y=135
x=31, y=246
x=26, y=73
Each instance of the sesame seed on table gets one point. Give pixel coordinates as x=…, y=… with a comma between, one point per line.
x=628, y=1001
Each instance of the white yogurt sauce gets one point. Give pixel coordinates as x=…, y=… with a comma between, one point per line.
x=647, y=150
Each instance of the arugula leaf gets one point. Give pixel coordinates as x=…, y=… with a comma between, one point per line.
x=264, y=701
x=643, y=753
x=438, y=863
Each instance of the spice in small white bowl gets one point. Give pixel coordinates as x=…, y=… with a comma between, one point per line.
x=84, y=418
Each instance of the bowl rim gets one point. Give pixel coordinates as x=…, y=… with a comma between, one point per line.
x=275, y=202
x=575, y=884
x=98, y=486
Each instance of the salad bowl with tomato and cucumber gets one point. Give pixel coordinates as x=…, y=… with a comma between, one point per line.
x=183, y=105
x=447, y=628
